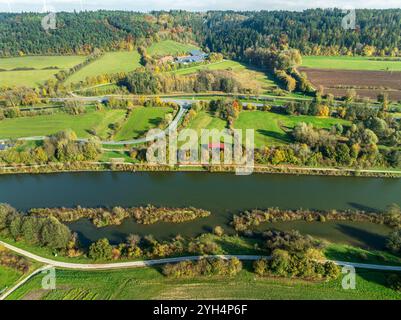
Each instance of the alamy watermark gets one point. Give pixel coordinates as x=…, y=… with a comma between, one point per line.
x=49, y=279
x=349, y=279
x=228, y=147
x=348, y=22
x=49, y=21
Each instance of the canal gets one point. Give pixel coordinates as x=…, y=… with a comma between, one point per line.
x=222, y=194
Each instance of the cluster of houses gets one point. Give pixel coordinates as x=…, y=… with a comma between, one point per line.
x=194, y=56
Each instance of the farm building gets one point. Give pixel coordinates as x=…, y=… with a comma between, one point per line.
x=195, y=56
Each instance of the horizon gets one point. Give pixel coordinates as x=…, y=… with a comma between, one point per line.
x=20, y=6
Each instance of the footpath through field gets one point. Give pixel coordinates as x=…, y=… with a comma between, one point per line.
x=147, y=263
x=49, y=263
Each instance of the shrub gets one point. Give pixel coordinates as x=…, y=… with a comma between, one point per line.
x=218, y=231
x=394, y=241
x=291, y=241
x=203, y=267
x=101, y=250
x=260, y=266
x=394, y=281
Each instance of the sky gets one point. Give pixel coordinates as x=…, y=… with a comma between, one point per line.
x=192, y=5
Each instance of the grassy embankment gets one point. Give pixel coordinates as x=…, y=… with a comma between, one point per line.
x=8, y=277
x=149, y=283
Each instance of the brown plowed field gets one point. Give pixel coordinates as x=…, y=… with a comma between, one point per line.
x=366, y=83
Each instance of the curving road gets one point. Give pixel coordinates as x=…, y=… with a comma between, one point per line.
x=171, y=127
x=117, y=265
x=184, y=104
x=49, y=263
x=147, y=263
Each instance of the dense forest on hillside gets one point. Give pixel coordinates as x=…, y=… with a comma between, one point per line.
x=378, y=32
x=312, y=32
x=75, y=33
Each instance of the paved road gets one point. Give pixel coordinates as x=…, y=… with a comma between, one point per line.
x=184, y=107
x=172, y=126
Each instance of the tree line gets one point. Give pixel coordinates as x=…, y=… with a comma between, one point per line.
x=313, y=31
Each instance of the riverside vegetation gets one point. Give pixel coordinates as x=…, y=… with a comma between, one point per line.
x=251, y=219
x=102, y=217
x=288, y=253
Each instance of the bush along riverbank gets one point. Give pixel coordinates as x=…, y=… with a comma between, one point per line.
x=286, y=254
x=290, y=255
x=85, y=166
x=248, y=220
x=102, y=217
x=307, y=171
x=295, y=255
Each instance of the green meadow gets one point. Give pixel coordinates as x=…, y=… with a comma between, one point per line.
x=350, y=63
x=111, y=62
x=149, y=283
x=49, y=124
x=140, y=121
x=270, y=128
x=8, y=277
x=221, y=65
x=26, y=78
x=169, y=47
x=40, y=62
x=33, y=78
x=205, y=120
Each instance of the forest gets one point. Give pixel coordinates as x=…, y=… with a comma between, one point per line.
x=313, y=32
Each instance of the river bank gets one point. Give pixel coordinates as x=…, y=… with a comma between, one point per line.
x=131, y=167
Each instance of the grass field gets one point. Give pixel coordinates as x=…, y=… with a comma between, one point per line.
x=268, y=125
x=249, y=76
x=111, y=62
x=169, y=47
x=221, y=65
x=149, y=283
x=141, y=121
x=49, y=124
x=33, y=78
x=349, y=63
x=27, y=78
x=340, y=252
x=205, y=120
x=108, y=156
x=8, y=277
x=40, y=62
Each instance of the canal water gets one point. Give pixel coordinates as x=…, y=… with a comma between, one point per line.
x=223, y=194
